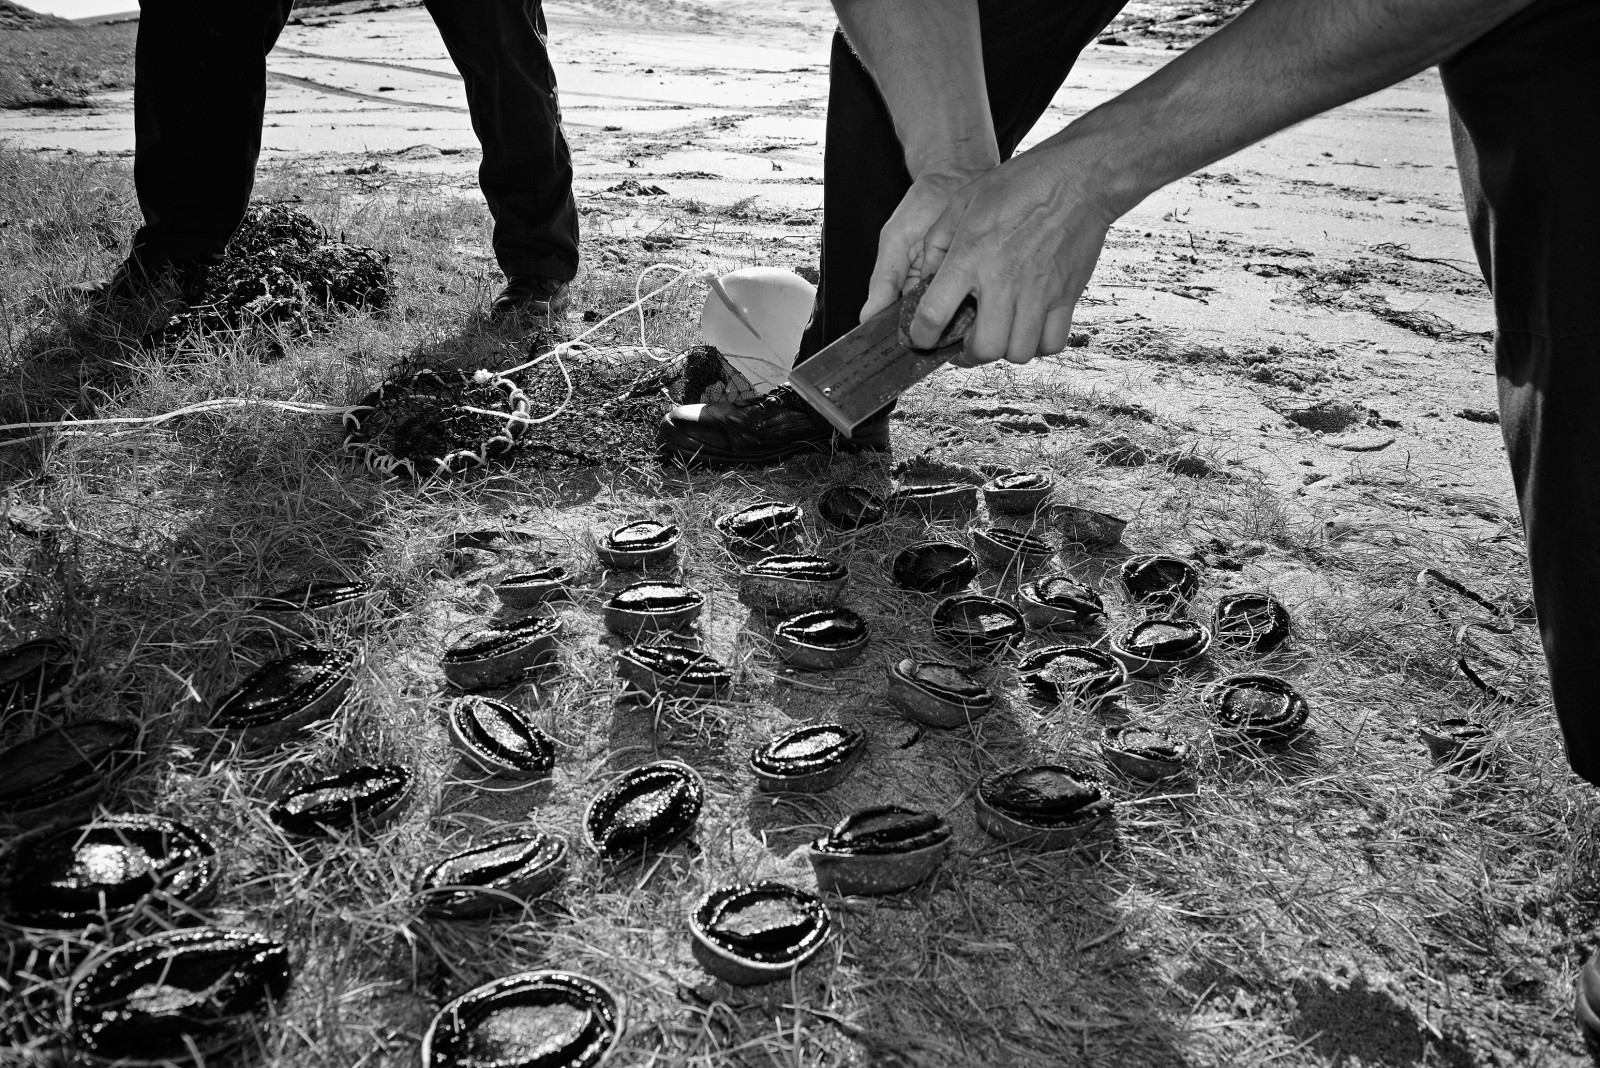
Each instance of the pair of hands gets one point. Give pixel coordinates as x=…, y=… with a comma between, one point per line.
x=1022, y=238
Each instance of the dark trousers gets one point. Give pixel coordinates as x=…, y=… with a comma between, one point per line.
x=1526, y=100
x=1028, y=50
x=200, y=94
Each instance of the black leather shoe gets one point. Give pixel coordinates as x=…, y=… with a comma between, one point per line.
x=138, y=280
x=771, y=428
x=530, y=296
x=1587, y=1007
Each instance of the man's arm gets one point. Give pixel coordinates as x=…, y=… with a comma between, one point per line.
x=1024, y=238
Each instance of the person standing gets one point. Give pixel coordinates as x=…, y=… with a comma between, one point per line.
x=200, y=98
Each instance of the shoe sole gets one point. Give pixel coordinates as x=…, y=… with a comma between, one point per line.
x=706, y=457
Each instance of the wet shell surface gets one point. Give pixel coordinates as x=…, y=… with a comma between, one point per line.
x=880, y=850
x=1060, y=674
x=1086, y=527
x=64, y=768
x=1058, y=602
x=938, y=501
x=1250, y=622
x=326, y=597
x=105, y=868
x=497, y=654
x=1160, y=581
x=934, y=567
x=33, y=674
x=1256, y=707
x=498, y=739
x=1011, y=550
x=674, y=671
x=145, y=1001
x=642, y=543
x=807, y=759
x=936, y=693
x=977, y=627
x=644, y=810
x=1154, y=646
x=365, y=796
x=544, y=1019
x=751, y=933
x=1455, y=742
x=765, y=527
x=497, y=876
x=1047, y=805
x=527, y=589
x=1018, y=492
x=287, y=694
x=1144, y=753
x=786, y=584
x=652, y=606
x=847, y=508
x=823, y=640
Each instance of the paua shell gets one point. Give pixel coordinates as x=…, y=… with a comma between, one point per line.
x=938, y=694
x=1260, y=708
x=652, y=606
x=786, y=584
x=822, y=640
x=1160, y=644
x=1046, y=805
x=321, y=598
x=1148, y=754
x=674, y=671
x=937, y=501
x=64, y=768
x=497, y=876
x=880, y=850
x=764, y=527
x=644, y=810
x=1160, y=581
x=977, y=627
x=848, y=509
x=542, y=1019
x=954, y=331
x=498, y=739
x=497, y=654
x=104, y=868
x=1011, y=550
x=1250, y=622
x=807, y=759
x=366, y=796
x=147, y=1001
x=287, y=694
x=751, y=933
x=934, y=567
x=1080, y=674
x=1018, y=492
x=528, y=589
x=1456, y=743
x=1086, y=527
x=33, y=674
x=642, y=543
x=1059, y=602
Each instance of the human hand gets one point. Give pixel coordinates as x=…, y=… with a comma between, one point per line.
x=900, y=243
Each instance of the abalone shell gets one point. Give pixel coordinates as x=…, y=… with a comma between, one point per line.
x=364, y=796
x=542, y=1019
x=33, y=674
x=880, y=850
x=644, y=810
x=788, y=583
x=936, y=693
x=941, y=500
x=652, y=606
x=934, y=567
x=807, y=759
x=1256, y=707
x=1050, y=805
x=498, y=876
x=642, y=543
x=287, y=694
x=1152, y=646
x=822, y=640
x=1086, y=527
x=105, y=868
x=1011, y=550
x=1018, y=492
x=978, y=627
x=499, y=740
x=1250, y=622
x=1144, y=753
x=528, y=589
x=848, y=509
x=674, y=671
x=147, y=1001
x=751, y=933
x=1059, y=601
x=955, y=330
x=497, y=654
x=65, y=767
x=765, y=527
x=321, y=597
x=1072, y=673
x=1160, y=581
x=1456, y=743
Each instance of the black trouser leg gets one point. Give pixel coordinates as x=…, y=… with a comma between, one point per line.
x=1528, y=152
x=1028, y=50
x=526, y=176
x=199, y=94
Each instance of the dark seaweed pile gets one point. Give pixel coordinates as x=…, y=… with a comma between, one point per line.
x=417, y=413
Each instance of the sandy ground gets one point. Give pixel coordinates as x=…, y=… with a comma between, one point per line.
x=1327, y=268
